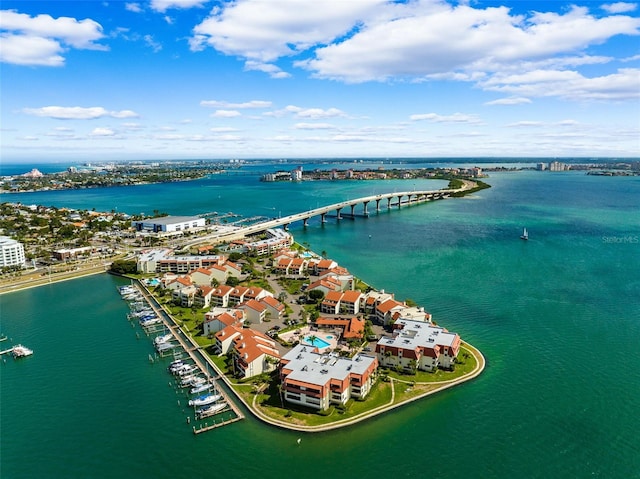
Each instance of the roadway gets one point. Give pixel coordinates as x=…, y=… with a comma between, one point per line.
x=413, y=197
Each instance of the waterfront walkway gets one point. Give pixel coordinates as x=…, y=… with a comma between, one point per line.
x=434, y=388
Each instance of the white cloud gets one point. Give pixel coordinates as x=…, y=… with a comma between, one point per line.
x=164, y=5
x=239, y=106
x=101, y=131
x=222, y=129
x=463, y=39
x=133, y=7
x=24, y=50
x=269, y=68
x=619, y=7
x=132, y=126
x=155, y=46
x=630, y=59
x=266, y=30
x=77, y=112
x=513, y=100
x=526, y=124
x=314, y=126
x=227, y=137
x=571, y=85
x=42, y=39
x=226, y=114
x=314, y=113
x=455, y=118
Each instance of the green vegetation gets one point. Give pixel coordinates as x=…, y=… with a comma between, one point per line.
x=464, y=365
x=481, y=186
x=271, y=404
x=121, y=266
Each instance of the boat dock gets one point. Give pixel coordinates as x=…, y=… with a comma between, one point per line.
x=194, y=352
x=223, y=422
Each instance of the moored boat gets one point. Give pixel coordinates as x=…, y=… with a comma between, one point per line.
x=163, y=339
x=210, y=410
x=21, y=351
x=205, y=399
x=200, y=389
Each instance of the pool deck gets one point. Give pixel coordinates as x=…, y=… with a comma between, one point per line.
x=303, y=331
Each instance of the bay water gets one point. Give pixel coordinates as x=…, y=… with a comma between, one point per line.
x=557, y=318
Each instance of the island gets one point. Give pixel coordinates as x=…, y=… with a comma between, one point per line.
x=295, y=336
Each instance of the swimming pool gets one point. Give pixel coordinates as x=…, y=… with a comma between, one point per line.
x=317, y=341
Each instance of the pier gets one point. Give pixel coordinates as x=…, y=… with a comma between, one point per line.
x=193, y=350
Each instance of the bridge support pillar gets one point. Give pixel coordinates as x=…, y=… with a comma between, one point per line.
x=399, y=201
x=389, y=203
x=338, y=213
x=353, y=207
x=365, y=212
x=323, y=218
x=305, y=222
x=285, y=226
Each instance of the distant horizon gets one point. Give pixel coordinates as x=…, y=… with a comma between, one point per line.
x=345, y=159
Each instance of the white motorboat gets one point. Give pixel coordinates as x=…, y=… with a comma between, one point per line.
x=163, y=339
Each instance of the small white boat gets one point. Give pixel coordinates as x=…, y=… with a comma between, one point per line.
x=21, y=351
x=163, y=339
x=205, y=399
x=187, y=370
x=165, y=346
x=179, y=367
x=192, y=381
x=211, y=410
x=201, y=389
x=524, y=235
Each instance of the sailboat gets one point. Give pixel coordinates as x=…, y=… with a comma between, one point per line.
x=525, y=234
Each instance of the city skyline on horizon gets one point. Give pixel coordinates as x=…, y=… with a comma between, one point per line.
x=250, y=79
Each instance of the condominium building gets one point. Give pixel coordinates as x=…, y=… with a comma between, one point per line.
x=317, y=380
x=11, y=252
x=418, y=345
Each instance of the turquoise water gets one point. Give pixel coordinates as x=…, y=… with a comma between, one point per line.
x=557, y=317
x=316, y=341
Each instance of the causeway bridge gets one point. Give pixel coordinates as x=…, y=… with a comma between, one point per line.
x=348, y=209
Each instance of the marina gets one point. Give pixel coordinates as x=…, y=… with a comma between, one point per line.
x=189, y=367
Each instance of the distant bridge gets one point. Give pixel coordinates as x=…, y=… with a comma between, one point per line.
x=397, y=200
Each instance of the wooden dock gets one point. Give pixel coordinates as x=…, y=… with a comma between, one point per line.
x=205, y=428
x=10, y=350
x=194, y=351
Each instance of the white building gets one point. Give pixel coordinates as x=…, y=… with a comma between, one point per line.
x=418, y=345
x=11, y=252
x=169, y=224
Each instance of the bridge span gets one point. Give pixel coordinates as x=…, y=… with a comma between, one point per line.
x=397, y=200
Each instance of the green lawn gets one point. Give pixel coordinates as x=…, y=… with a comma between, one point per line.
x=464, y=366
x=296, y=415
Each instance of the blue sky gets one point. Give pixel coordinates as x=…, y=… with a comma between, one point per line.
x=162, y=79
